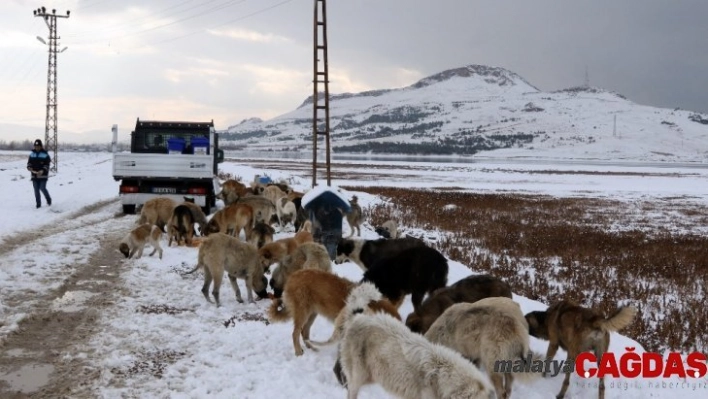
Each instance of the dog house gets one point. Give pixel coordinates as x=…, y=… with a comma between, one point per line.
x=325, y=207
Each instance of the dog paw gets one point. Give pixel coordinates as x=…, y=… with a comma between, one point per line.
x=299, y=352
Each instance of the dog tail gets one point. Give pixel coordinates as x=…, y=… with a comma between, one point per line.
x=277, y=312
x=620, y=319
x=197, y=267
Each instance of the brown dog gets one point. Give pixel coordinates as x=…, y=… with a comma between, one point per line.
x=231, y=220
x=308, y=293
x=231, y=191
x=181, y=227
x=135, y=241
x=577, y=329
x=275, y=251
x=469, y=289
x=219, y=253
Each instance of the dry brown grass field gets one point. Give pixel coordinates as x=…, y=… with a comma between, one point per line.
x=597, y=252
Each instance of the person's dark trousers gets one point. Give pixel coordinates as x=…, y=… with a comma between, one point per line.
x=41, y=185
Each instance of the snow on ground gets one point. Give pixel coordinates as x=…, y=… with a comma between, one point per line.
x=208, y=355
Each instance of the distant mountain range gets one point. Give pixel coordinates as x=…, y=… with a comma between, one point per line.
x=486, y=112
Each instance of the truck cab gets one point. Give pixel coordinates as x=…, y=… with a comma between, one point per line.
x=168, y=159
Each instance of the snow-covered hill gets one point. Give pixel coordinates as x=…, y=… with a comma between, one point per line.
x=488, y=112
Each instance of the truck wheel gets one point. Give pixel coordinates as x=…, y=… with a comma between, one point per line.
x=129, y=209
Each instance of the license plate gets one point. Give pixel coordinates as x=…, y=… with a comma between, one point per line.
x=164, y=190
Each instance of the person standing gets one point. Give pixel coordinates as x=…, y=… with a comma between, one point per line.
x=38, y=165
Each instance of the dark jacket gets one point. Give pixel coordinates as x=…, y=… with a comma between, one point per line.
x=39, y=161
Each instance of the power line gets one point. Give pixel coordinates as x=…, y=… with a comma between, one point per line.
x=223, y=24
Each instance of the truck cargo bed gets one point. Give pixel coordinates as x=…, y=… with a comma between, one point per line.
x=178, y=166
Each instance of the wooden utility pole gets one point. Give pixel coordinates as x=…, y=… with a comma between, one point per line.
x=50, y=124
x=320, y=80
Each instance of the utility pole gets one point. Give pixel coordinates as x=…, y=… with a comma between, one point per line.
x=50, y=123
x=321, y=76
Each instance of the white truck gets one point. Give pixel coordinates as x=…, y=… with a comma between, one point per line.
x=168, y=159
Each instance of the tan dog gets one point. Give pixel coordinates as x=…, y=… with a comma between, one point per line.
x=231, y=191
x=275, y=251
x=306, y=226
x=355, y=217
x=261, y=234
x=231, y=220
x=135, y=241
x=219, y=253
x=302, y=237
x=489, y=330
x=309, y=255
x=308, y=293
x=263, y=209
x=181, y=227
x=577, y=329
x=157, y=211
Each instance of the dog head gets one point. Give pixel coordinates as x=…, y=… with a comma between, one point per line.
x=344, y=249
x=211, y=227
x=269, y=253
x=383, y=232
x=124, y=249
x=259, y=286
x=537, y=324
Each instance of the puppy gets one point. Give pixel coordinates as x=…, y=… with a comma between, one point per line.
x=354, y=217
x=305, y=256
x=577, y=329
x=221, y=252
x=135, y=241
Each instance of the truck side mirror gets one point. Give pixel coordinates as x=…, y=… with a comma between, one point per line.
x=219, y=156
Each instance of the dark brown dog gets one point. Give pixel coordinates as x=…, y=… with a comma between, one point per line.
x=470, y=289
x=577, y=329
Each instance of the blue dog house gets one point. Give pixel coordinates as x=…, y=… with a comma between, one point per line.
x=326, y=207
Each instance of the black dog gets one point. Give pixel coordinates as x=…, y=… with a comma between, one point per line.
x=413, y=271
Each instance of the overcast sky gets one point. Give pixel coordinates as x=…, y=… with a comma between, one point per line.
x=228, y=60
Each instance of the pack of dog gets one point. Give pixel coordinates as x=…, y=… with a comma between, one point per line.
x=417, y=271
x=221, y=253
x=469, y=289
x=489, y=330
x=365, y=252
x=576, y=329
x=134, y=242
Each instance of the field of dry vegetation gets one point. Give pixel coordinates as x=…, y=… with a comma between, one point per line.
x=599, y=253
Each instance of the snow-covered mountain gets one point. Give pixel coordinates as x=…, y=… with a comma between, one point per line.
x=487, y=111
